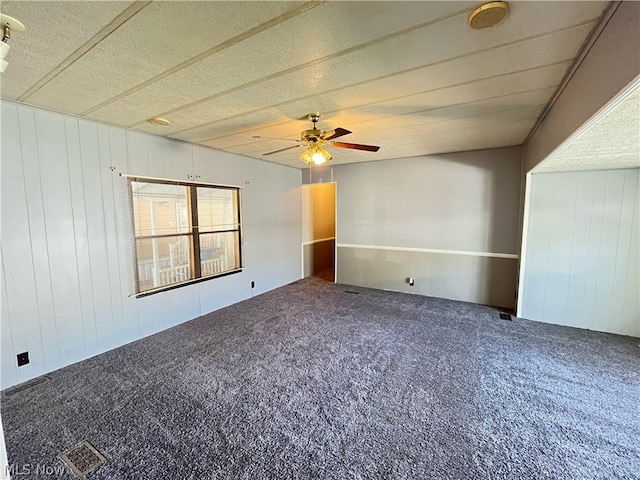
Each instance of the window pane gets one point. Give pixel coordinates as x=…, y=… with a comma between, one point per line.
x=219, y=252
x=217, y=209
x=163, y=261
x=159, y=209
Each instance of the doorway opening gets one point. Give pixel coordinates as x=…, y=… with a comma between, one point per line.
x=319, y=231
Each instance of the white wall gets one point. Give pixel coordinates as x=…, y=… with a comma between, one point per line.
x=64, y=288
x=582, y=251
x=449, y=220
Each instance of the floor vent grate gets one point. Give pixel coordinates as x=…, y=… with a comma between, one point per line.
x=26, y=386
x=83, y=459
x=505, y=316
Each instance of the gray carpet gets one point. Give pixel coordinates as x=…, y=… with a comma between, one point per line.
x=310, y=381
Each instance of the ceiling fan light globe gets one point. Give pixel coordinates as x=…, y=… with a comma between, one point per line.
x=4, y=49
x=315, y=155
x=319, y=158
x=306, y=156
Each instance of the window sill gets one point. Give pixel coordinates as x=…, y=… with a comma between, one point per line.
x=173, y=286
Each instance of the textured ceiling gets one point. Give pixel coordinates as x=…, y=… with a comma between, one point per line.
x=412, y=77
x=611, y=139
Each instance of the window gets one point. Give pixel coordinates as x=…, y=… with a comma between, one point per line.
x=182, y=232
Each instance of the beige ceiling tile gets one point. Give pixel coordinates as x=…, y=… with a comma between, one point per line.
x=159, y=37
x=284, y=46
x=420, y=120
x=53, y=31
x=409, y=50
x=540, y=51
x=488, y=121
x=486, y=96
x=461, y=139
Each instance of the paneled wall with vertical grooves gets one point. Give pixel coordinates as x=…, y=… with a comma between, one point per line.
x=582, y=251
x=64, y=272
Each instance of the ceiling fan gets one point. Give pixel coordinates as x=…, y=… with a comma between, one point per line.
x=316, y=140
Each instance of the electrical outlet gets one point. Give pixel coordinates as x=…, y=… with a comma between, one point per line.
x=23, y=358
x=410, y=281
x=253, y=284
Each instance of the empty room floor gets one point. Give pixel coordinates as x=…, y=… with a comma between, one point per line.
x=321, y=380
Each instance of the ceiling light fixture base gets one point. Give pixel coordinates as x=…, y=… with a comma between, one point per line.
x=488, y=15
x=9, y=23
x=161, y=122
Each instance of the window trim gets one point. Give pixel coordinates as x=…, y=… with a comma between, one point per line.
x=173, y=286
x=194, y=232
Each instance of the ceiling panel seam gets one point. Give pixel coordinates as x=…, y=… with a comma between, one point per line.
x=111, y=27
x=312, y=63
x=207, y=53
x=338, y=54
x=328, y=112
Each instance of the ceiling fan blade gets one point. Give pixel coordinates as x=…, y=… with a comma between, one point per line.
x=280, y=150
x=338, y=132
x=356, y=146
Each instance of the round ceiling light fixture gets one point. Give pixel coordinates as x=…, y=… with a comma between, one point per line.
x=488, y=15
x=162, y=122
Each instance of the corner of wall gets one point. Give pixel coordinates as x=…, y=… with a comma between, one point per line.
x=612, y=62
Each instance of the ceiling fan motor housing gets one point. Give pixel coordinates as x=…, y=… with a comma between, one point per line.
x=311, y=135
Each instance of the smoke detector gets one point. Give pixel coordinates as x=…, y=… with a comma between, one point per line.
x=488, y=15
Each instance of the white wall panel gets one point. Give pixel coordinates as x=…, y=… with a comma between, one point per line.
x=60, y=241
x=65, y=291
x=137, y=158
x=627, y=248
x=118, y=149
x=111, y=241
x=20, y=260
x=81, y=237
x=92, y=180
x=8, y=366
x=148, y=315
x=581, y=265
x=630, y=314
x=162, y=154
